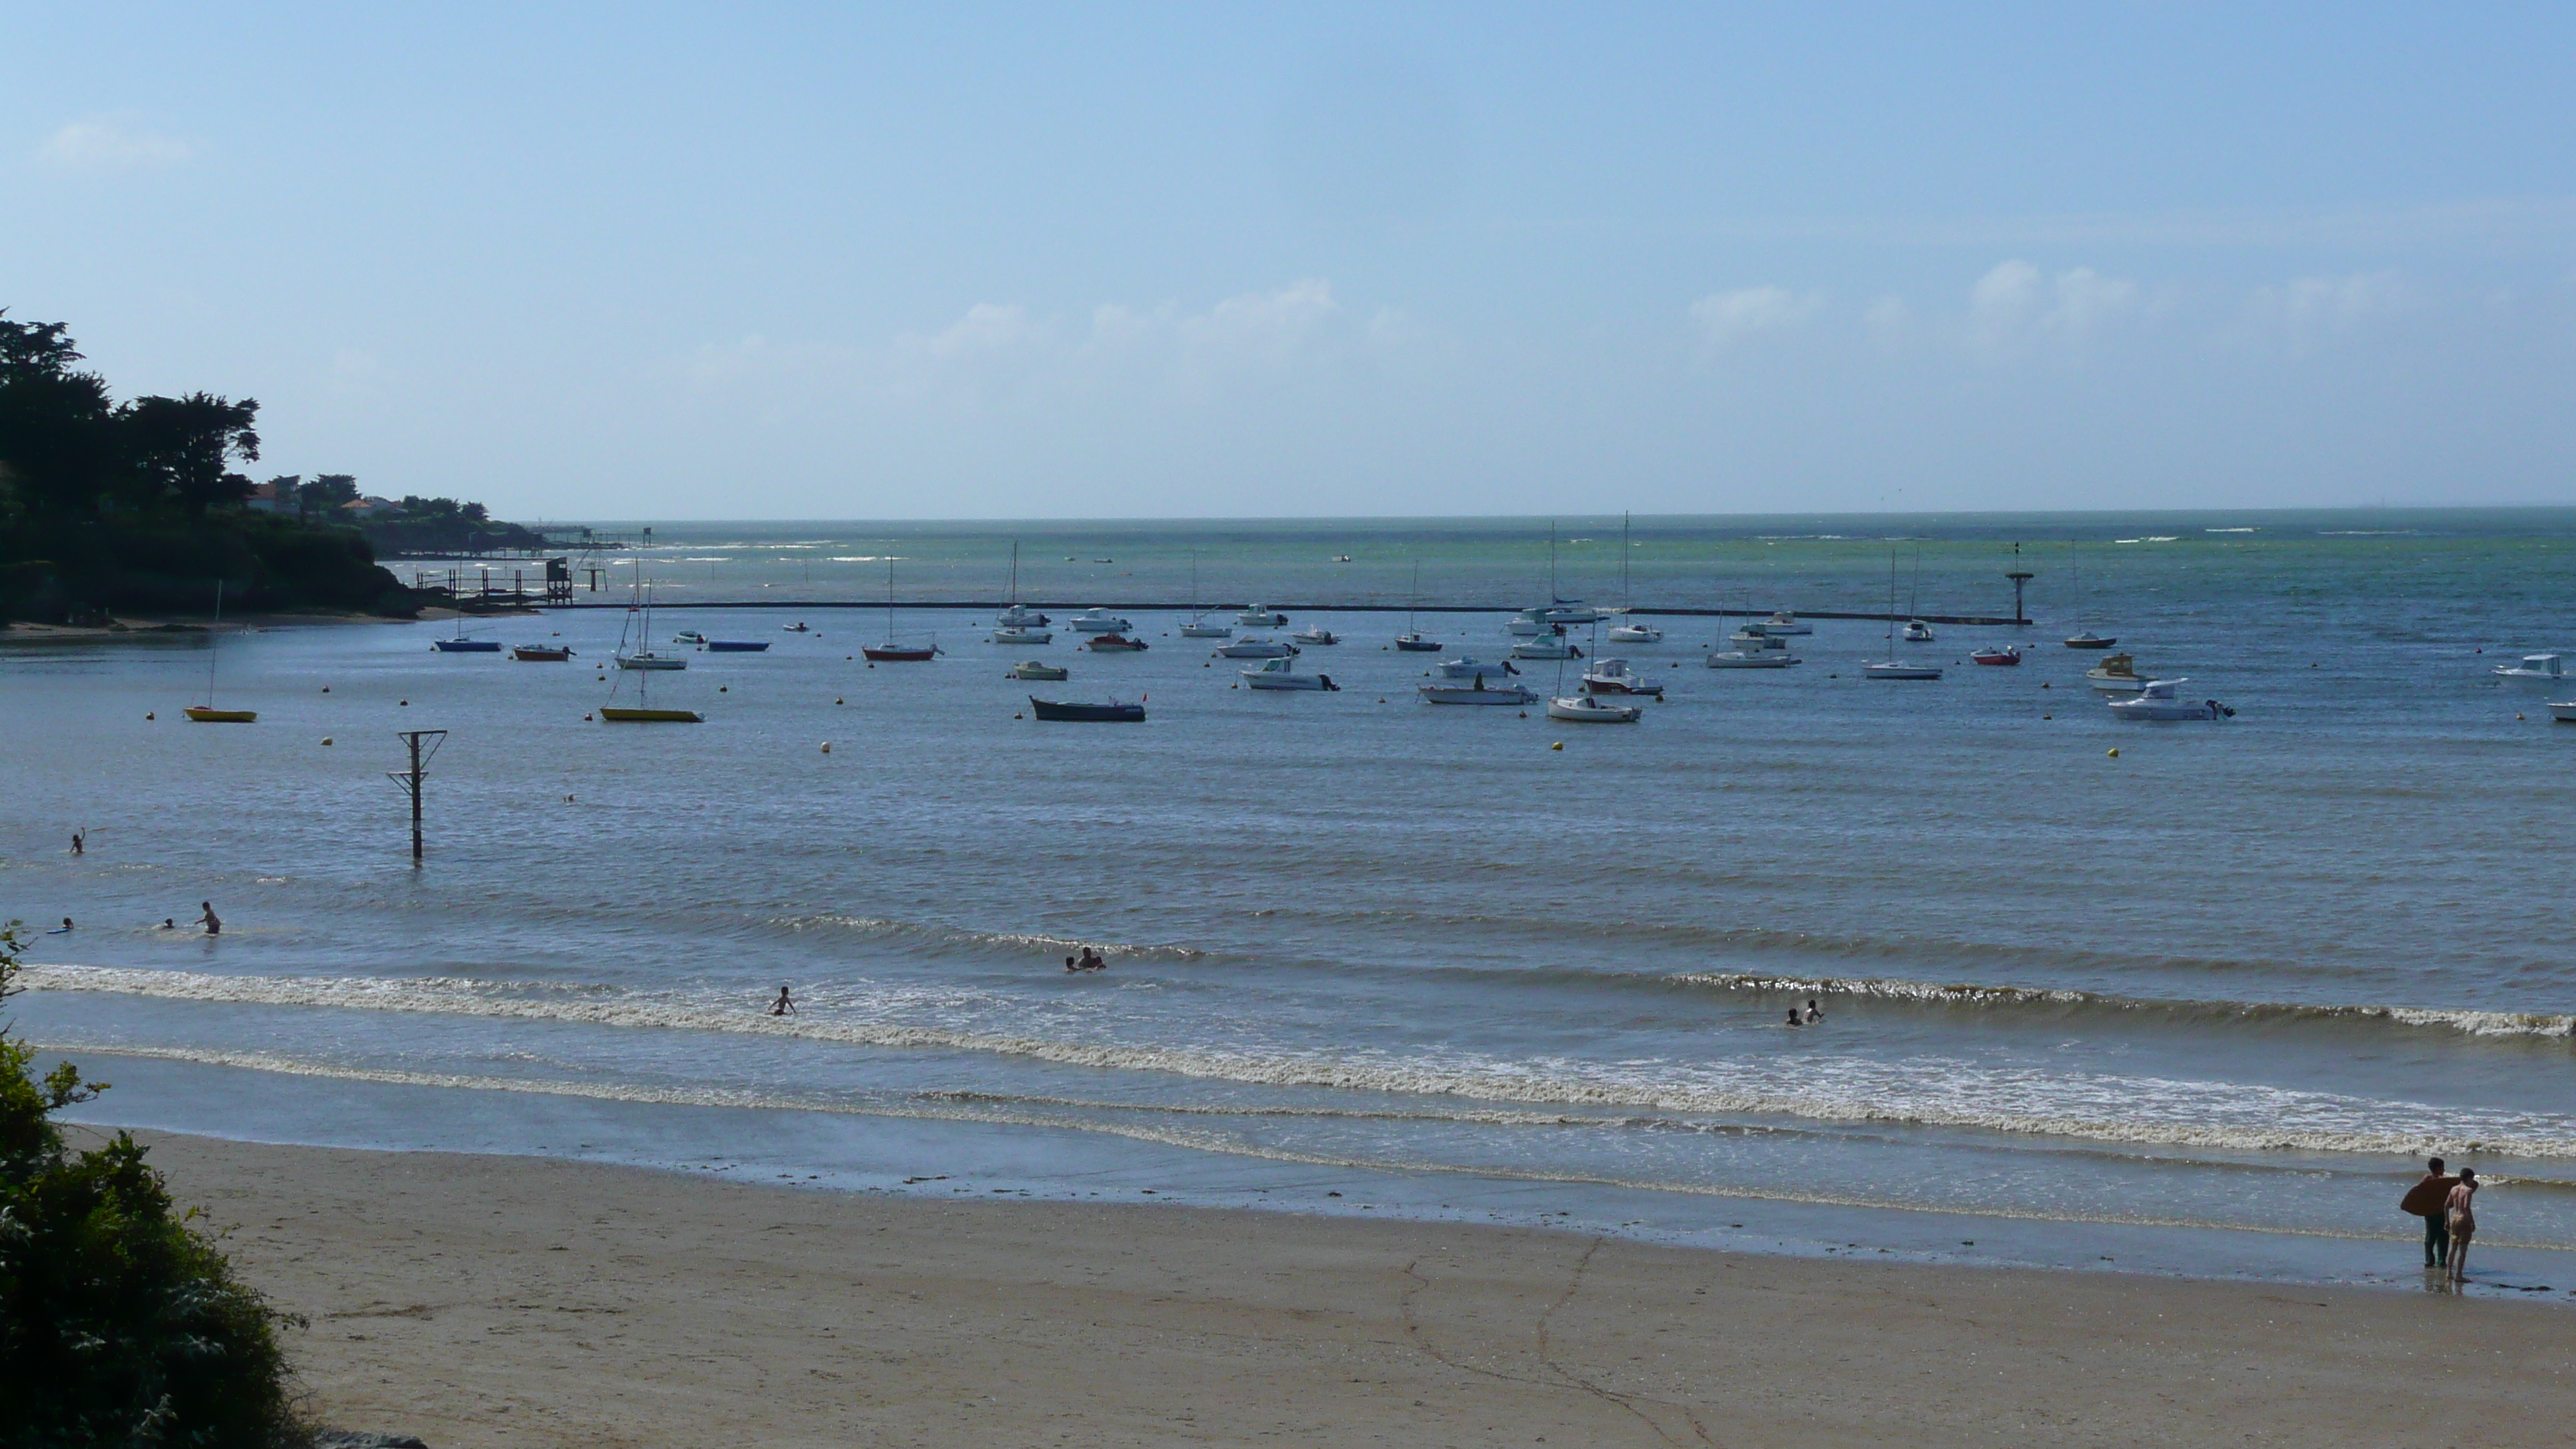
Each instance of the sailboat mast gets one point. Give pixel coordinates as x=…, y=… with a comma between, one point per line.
x=214, y=643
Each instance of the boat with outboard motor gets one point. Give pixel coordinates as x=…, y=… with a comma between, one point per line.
x=1783, y=623
x=2005, y=657
x=1008, y=634
x=1547, y=646
x=1110, y=712
x=1038, y=669
x=1261, y=616
x=542, y=653
x=1284, y=674
x=1613, y=676
x=2535, y=668
x=1098, y=621
x=2162, y=700
x=1584, y=709
x=1256, y=646
x=1114, y=644
x=1476, y=693
x=1470, y=667
x=1316, y=634
x=1756, y=651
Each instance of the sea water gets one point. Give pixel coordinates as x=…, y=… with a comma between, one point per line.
x=2197, y=1006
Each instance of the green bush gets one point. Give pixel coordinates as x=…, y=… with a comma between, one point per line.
x=120, y=1324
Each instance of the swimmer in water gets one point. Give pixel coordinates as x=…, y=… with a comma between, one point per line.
x=1814, y=1013
x=1793, y=1018
x=783, y=1006
x=169, y=923
x=65, y=926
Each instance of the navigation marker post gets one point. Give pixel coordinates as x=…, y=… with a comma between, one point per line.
x=409, y=781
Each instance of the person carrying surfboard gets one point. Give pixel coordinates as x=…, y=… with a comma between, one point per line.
x=2427, y=1200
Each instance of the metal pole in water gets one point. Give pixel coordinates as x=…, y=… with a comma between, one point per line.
x=410, y=780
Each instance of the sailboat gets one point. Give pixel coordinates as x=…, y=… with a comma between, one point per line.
x=1014, y=618
x=1411, y=640
x=2082, y=638
x=1916, y=631
x=462, y=645
x=1894, y=668
x=890, y=652
x=1558, y=611
x=1198, y=627
x=639, y=619
x=207, y=713
x=1627, y=630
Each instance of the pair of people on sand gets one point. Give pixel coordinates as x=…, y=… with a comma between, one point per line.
x=1090, y=960
x=2448, y=1206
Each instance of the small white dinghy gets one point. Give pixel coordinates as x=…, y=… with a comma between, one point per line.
x=1477, y=693
x=2540, y=668
x=1257, y=647
x=1284, y=674
x=2162, y=700
x=1584, y=709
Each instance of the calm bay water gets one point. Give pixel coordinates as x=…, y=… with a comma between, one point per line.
x=2193, y=1007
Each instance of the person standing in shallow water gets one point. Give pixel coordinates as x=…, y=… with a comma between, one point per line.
x=213, y=923
x=783, y=1006
x=2460, y=1218
x=2428, y=1200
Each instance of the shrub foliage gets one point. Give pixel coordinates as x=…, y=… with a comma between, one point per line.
x=120, y=1323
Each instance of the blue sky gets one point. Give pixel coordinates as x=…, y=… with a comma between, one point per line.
x=963, y=261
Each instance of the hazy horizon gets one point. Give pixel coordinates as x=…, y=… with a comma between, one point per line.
x=1324, y=261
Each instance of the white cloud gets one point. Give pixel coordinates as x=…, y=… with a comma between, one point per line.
x=111, y=143
x=1729, y=317
x=2015, y=306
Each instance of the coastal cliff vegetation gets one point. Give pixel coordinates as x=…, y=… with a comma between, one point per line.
x=138, y=506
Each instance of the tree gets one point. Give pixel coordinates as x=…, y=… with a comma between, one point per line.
x=58, y=440
x=325, y=494
x=183, y=447
x=119, y=1323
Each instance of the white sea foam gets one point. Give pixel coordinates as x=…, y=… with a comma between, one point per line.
x=1200, y=1141
x=1919, y=1091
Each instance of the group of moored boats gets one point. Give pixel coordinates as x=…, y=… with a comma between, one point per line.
x=2545, y=669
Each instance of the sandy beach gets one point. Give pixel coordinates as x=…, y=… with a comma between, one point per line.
x=521, y=1301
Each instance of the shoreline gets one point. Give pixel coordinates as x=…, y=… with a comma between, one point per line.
x=478, y=1300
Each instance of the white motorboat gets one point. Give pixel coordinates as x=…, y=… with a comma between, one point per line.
x=1316, y=634
x=2117, y=674
x=1021, y=634
x=2087, y=639
x=1202, y=629
x=1783, y=623
x=1634, y=633
x=1476, y=693
x=1098, y=621
x=1584, y=709
x=1752, y=636
x=1284, y=674
x=2162, y=700
x=2563, y=712
x=1467, y=667
x=2542, y=668
x=1613, y=676
x=1261, y=616
x=1039, y=669
x=1528, y=622
x=1257, y=646
x=1775, y=656
x=1547, y=646
x=1917, y=632
x=1572, y=611
x=688, y=636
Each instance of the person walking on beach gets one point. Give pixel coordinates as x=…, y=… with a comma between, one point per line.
x=783, y=1006
x=2460, y=1217
x=2427, y=1200
x=213, y=923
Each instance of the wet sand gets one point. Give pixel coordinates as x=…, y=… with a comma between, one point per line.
x=528, y=1302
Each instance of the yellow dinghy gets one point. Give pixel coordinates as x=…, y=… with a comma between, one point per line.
x=207, y=714
x=612, y=714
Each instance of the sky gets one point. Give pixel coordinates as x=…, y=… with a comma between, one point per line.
x=964, y=261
